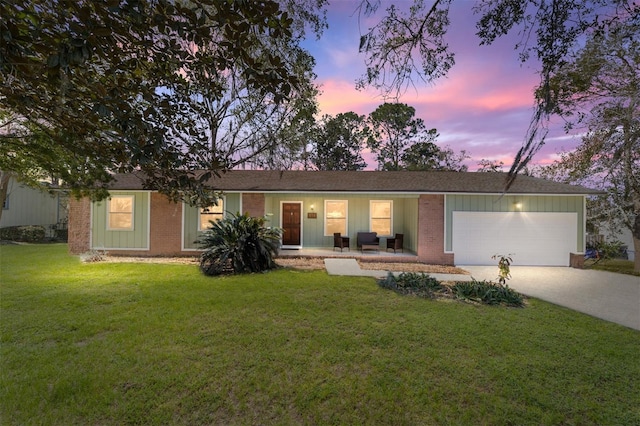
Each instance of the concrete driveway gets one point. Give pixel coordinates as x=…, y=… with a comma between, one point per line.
x=612, y=297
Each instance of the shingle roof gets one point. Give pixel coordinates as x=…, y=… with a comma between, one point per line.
x=372, y=181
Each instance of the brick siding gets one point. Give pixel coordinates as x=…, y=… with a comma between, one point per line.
x=253, y=204
x=79, y=225
x=431, y=231
x=165, y=227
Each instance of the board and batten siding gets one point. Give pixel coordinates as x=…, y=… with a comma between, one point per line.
x=513, y=203
x=29, y=206
x=190, y=219
x=405, y=216
x=137, y=238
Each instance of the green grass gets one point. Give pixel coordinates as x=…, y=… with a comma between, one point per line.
x=619, y=266
x=162, y=344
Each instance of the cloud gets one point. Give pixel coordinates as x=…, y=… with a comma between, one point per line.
x=483, y=106
x=338, y=96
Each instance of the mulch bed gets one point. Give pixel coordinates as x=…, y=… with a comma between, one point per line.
x=304, y=263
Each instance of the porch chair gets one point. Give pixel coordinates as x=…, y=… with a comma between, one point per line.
x=395, y=243
x=340, y=242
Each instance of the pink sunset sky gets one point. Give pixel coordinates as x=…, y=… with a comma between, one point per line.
x=483, y=106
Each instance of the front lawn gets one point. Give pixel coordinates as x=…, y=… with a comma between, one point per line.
x=109, y=343
x=619, y=266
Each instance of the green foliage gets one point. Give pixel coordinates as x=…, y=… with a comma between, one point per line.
x=394, y=129
x=421, y=284
x=338, y=142
x=28, y=234
x=487, y=292
x=429, y=156
x=149, y=85
x=603, y=251
x=611, y=249
x=597, y=93
x=239, y=244
x=405, y=44
x=504, y=264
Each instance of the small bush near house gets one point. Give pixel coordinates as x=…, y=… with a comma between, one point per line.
x=27, y=234
x=93, y=256
x=239, y=244
x=504, y=264
x=487, y=292
x=421, y=284
x=606, y=250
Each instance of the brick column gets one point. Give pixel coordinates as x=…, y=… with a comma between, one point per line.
x=431, y=231
x=576, y=260
x=79, y=225
x=165, y=228
x=253, y=204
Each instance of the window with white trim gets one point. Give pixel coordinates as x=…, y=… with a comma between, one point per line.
x=381, y=217
x=335, y=217
x=206, y=215
x=120, y=213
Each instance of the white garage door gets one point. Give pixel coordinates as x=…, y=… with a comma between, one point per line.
x=543, y=239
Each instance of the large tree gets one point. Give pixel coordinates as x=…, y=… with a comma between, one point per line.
x=408, y=44
x=429, y=156
x=96, y=76
x=338, y=142
x=162, y=86
x=395, y=128
x=600, y=88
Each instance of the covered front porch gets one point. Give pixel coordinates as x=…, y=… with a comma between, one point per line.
x=368, y=255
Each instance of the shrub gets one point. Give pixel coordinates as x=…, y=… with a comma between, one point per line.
x=606, y=250
x=93, y=256
x=421, y=284
x=487, y=292
x=504, y=264
x=239, y=244
x=27, y=234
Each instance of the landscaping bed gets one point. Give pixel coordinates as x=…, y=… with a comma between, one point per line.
x=303, y=263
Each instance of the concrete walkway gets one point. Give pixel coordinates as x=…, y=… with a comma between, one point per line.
x=605, y=295
x=351, y=267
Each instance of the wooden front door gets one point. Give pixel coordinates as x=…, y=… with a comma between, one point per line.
x=291, y=222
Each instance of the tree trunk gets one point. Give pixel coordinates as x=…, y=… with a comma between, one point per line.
x=635, y=232
x=636, y=247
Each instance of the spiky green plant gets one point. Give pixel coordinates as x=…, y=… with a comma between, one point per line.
x=239, y=243
x=487, y=292
x=420, y=284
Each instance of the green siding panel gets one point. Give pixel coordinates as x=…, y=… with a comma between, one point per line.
x=190, y=219
x=405, y=216
x=508, y=203
x=138, y=238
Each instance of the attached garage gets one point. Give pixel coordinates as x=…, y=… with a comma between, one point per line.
x=533, y=238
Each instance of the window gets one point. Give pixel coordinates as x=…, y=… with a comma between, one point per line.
x=210, y=214
x=381, y=217
x=335, y=217
x=120, y=213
